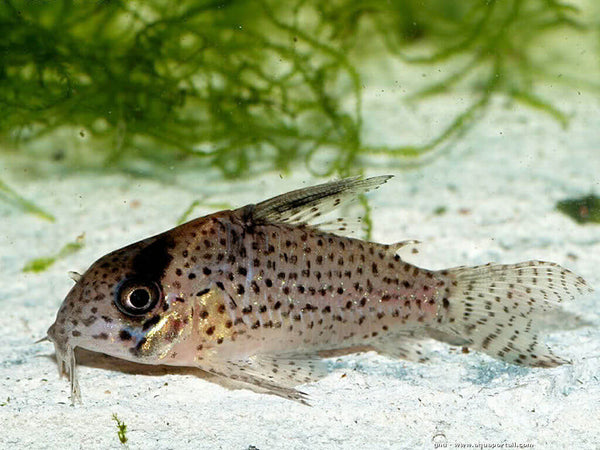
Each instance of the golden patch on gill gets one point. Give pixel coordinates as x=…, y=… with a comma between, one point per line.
x=167, y=332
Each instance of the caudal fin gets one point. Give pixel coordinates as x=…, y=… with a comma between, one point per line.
x=500, y=309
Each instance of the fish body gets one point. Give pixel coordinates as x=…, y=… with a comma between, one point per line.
x=257, y=294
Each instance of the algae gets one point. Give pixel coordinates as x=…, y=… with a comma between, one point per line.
x=121, y=429
x=200, y=202
x=248, y=86
x=11, y=197
x=440, y=210
x=40, y=264
x=582, y=209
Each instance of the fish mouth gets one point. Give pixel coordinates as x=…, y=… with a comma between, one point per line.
x=67, y=364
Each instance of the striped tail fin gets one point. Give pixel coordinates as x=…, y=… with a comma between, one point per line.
x=501, y=309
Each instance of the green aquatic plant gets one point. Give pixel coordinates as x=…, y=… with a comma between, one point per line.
x=121, y=429
x=190, y=209
x=43, y=263
x=245, y=87
x=488, y=48
x=225, y=82
x=11, y=197
x=248, y=86
x=582, y=209
x=440, y=210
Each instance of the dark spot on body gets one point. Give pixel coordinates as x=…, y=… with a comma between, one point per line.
x=124, y=335
x=89, y=320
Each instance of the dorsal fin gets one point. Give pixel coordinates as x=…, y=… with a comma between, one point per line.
x=302, y=205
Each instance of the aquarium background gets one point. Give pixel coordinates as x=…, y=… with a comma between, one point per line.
x=119, y=120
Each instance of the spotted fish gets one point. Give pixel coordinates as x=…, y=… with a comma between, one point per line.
x=258, y=294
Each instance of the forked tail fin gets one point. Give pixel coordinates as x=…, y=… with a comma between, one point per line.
x=500, y=309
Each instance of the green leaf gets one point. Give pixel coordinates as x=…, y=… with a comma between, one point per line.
x=43, y=263
x=12, y=197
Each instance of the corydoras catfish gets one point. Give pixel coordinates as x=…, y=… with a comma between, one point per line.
x=257, y=294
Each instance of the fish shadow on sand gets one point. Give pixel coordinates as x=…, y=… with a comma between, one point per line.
x=101, y=361
x=110, y=363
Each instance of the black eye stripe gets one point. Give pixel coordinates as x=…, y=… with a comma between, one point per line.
x=136, y=296
x=150, y=322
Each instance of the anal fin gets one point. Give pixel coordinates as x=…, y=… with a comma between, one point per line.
x=412, y=345
x=406, y=346
x=448, y=337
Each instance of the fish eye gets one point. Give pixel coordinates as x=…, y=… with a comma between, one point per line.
x=135, y=297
